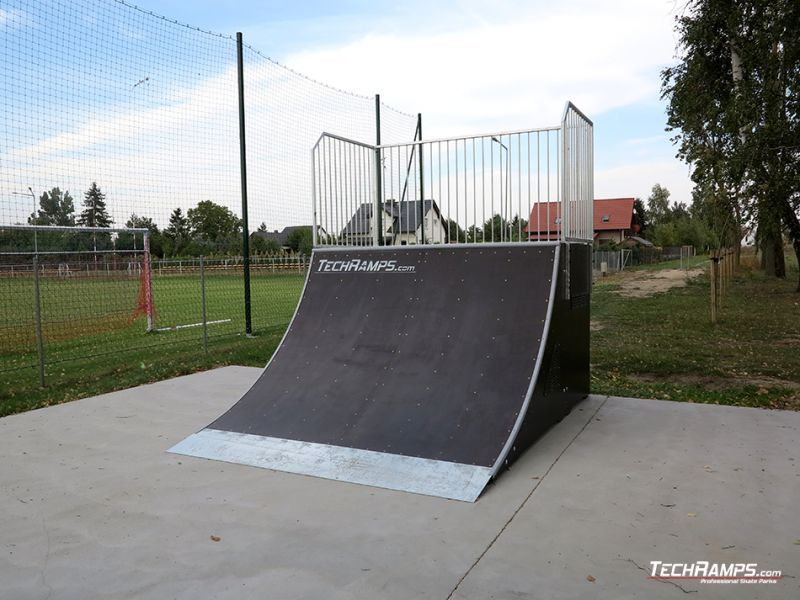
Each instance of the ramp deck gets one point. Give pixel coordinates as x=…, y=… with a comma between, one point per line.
x=410, y=369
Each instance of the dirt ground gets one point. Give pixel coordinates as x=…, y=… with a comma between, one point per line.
x=716, y=383
x=643, y=284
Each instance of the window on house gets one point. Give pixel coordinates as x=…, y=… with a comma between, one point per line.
x=606, y=218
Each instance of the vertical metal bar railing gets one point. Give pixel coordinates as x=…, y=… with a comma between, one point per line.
x=577, y=175
x=527, y=185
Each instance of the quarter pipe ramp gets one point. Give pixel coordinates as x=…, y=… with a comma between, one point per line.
x=423, y=368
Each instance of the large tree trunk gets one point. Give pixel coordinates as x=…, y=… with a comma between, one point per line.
x=771, y=241
x=737, y=233
x=775, y=260
x=736, y=71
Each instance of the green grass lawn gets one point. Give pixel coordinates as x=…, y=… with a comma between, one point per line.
x=661, y=347
x=92, y=346
x=665, y=346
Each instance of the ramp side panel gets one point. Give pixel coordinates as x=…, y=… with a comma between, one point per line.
x=417, y=475
x=433, y=361
x=563, y=379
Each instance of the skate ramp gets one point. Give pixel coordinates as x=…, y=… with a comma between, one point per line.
x=424, y=369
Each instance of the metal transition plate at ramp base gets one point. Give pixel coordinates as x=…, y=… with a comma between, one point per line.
x=390, y=471
x=409, y=368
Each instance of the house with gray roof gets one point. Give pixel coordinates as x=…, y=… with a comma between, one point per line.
x=401, y=224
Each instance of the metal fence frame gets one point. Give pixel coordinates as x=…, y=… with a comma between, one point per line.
x=470, y=180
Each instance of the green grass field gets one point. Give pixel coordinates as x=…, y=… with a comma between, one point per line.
x=665, y=346
x=661, y=347
x=92, y=345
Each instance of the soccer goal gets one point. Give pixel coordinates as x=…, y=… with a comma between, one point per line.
x=92, y=278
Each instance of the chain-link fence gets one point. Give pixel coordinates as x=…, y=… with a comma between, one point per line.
x=54, y=313
x=610, y=261
x=116, y=117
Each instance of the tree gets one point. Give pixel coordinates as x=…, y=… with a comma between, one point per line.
x=658, y=212
x=215, y=227
x=496, y=229
x=94, y=212
x=300, y=240
x=455, y=233
x=640, y=217
x=679, y=211
x=55, y=208
x=733, y=103
x=517, y=228
x=474, y=234
x=261, y=245
x=176, y=235
x=130, y=241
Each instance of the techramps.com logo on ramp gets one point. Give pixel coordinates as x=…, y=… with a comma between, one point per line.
x=358, y=265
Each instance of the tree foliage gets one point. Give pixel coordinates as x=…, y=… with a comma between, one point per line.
x=673, y=225
x=261, y=245
x=55, y=208
x=455, y=233
x=640, y=219
x=658, y=210
x=94, y=213
x=495, y=229
x=214, y=228
x=131, y=241
x=734, y=107
x=300, y=241
x=176, y=234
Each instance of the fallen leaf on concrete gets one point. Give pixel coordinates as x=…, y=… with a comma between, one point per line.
x=590, y=579
x=691, y=514
x=215, y=538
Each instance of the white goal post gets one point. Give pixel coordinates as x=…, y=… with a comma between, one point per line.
x=145, y=273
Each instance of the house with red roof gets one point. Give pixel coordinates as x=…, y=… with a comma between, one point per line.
x=613, y=220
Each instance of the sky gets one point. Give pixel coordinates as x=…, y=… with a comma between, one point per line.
x=98, y=90
x=474, y=66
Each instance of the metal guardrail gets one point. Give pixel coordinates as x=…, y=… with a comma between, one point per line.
x=524, y=185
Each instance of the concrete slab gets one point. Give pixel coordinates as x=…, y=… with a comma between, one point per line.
x=91, y=505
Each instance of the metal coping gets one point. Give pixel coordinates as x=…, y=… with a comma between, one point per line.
x=334, y=248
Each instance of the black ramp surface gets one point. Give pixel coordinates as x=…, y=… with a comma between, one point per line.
x=422, y=352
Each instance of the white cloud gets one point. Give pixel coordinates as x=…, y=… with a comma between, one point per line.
x=516, y=70
x=637, y=180
x=517, y=73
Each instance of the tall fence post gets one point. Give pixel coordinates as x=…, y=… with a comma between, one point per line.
x=37, y=315
x=714, y=275
x=378, y=208
x=248, y=325
x=203, y=302
x=314, y=233
x=421, y=182
x=147, y=279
